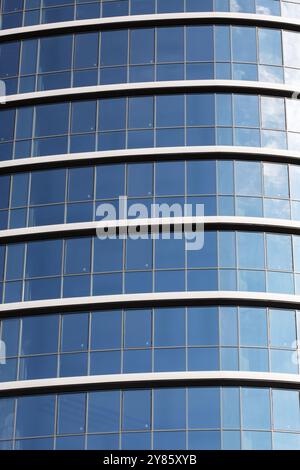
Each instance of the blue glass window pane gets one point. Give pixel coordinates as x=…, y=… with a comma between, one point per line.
x=107, y=284
x=169, y=253
x=83, y=116
x=104, y=411
x=222, y=44
x=7, y=120
x=252, y=359
x=70, y=443
x=138, y=328
x=273, y=113
x=166, y=360
x=80, y=184
x=286, y=441
x=169, y=281
x=200, y=110
x=136, y=410
x=169, y=440
x=10, y=336
x=44, y=258
x=55, y=53
x=142, y=46
x=40, y=334
x=276, y=180
x=250, y=250
x=201, y=177
x=140, y=7
x=52, y=119
x=141, y=112
x=169, y=178
x=282, y=328
x=110, y=181
x=112, y=114
x=86, y=50
x=73, y=365
x=139, y=254
x=138, y=360
x=197, y=36
x=9, y=53
x=206, y=279
x=47, y=186
x=204, y=440
x=246, y=110
x=19, y=190
x=108, y=255
x=203, y=326
x=285, y=362
x=170, y=44
x=169, y=111
x=231, y=440
x=286, y=411
x=255, y=408
x=4, y=191
x=252, y=281
x=35, y=416
x=169, y=327
x=230, y=408
x=279, y=252
x=228, y=326
x=169, y=409
x=106, y=330
x=253, y=327
x=269, y=46
x=108, y=362
x=140, y=179
x=6, y=417
x=204, y=408
x=14, y=261
x=114, y=47
x=103, y=442
x=207, y=256
x=244, y=44
x=74, y=332
x=78, y=255
x=256, y=440
x=29, y=57
x=38, y=367
x=203, y=359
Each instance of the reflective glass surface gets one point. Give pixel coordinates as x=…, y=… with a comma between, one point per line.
x=151, y=54
x=151, y=340
x=138, y=122
x=207, y=418
x=257, y=262
x=241, y=188
x=16, y=13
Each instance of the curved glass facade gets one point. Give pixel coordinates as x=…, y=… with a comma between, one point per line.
x=177, y=418
x=151, y=54
x=150, y=121
x=78, y=267
x=151, y=340
x=225, y=187
x=17, y=13
x=149, y=334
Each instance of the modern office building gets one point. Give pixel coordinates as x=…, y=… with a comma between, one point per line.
x=139, y=342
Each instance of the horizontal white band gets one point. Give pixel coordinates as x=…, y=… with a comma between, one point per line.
x=218, y=152
x=151, y=19
x=149, y=380
x=151, y=299
x=170, y=86
x=177, y=223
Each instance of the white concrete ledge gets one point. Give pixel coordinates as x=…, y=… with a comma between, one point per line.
x=177, y=223
x=188, y=298
x=218, y=152
x=149, y=380
x=152, y=19
x=170, y=86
